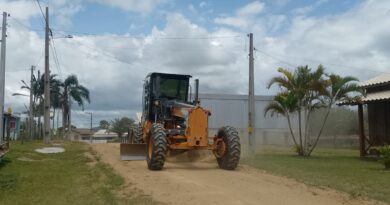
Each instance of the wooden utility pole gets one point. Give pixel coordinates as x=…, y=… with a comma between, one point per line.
x=2, y=74
x=251, y=100
x=46, y=119
x=90, y=138
x=31, y=113
x=362, y=136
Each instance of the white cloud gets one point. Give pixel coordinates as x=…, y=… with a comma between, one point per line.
x=251, y=9
x=144, y=6
x=202, y=4
x=23, y=9
x=244, y=17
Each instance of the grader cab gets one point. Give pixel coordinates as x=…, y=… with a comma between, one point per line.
x=171, y=123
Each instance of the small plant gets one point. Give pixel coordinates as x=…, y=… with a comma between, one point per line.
x=385, y=153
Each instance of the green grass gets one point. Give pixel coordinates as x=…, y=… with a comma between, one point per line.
x=339, y=169
x=28, y=177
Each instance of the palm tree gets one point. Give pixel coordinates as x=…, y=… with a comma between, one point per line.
x=303, y=92
x=55, y=96
x=303, y=87
x=38, y=94
x=339, y=89
x=72, y=90
x=284, y=104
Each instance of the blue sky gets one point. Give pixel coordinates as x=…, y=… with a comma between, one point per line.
x=347, y=37
x=99, y=18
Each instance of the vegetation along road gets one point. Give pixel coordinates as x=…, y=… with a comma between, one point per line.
x=75, y=177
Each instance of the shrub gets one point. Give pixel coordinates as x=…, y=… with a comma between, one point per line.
x=385, y=153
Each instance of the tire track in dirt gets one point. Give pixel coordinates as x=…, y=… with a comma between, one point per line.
x=204, y=183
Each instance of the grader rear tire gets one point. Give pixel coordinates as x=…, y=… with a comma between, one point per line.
x=157, y=147
x=230, y=156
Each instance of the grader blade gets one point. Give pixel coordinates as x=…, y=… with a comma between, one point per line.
x=132, y=152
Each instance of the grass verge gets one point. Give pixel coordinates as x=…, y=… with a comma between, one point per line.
x=72, y=177
x=338, y=169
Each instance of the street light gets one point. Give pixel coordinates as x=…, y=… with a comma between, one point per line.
x=20, y=94
x=66, y=36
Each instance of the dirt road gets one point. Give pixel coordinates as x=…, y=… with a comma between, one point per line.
x=204, y=183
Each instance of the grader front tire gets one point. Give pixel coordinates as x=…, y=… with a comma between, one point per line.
x=157, y=147
x=229, y=157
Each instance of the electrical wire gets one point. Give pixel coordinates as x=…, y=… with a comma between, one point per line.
x=332, y=64
x=277, y=59
x=153, y=37
x=54, y=51
x=40, y=8
x=24, y=25
x=19, y=70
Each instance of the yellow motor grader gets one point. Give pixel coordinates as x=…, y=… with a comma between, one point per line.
x=171, y=123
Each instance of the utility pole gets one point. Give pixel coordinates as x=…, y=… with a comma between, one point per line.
x=31, y=113
x=90, y=138
x=2, y=73
x=251, y=100
x=46, y=119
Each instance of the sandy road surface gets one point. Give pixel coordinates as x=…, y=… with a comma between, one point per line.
x=205, y=183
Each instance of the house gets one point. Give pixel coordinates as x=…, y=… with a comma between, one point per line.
x=104, y=136
x=11, y=125
x=80, y=134
x=377, y=102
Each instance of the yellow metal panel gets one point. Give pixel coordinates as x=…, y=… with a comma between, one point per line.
x=197, y=127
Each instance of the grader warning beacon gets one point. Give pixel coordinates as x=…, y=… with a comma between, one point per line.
x=171, y=123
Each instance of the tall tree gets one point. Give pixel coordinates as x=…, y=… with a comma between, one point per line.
x=104, y=124
x=37, y=90
x=121, y=126
x=72, y=91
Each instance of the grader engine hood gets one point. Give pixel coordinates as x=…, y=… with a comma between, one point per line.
x=197, y=127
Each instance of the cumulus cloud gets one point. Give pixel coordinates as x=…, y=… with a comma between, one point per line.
x=251, y=9
x=144, y=6
x=243, y=17
x=23, y=9
x=349, y=41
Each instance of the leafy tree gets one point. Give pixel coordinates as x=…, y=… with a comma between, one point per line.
x=121, y=126
x=104, y=124
x=303, y=92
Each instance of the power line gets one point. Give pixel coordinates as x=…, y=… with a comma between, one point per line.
x=40, y=8
x=277, y=59
x=153, y=37
x=314, y=61
x=24, y=25
x=19, y=70
x=54, y=50
x=106, y=54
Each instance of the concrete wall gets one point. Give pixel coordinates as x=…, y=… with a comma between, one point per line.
x=232, y=110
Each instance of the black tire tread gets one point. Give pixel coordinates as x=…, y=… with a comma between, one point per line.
x=160, y=147
x=231, y=158
x=137, y=134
